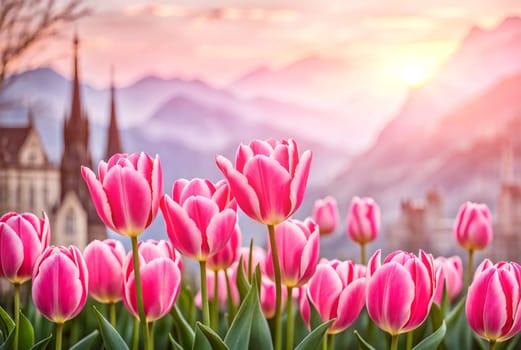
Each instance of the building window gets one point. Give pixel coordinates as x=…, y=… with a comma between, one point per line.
x=69, y=223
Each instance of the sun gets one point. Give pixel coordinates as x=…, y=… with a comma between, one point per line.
x=413, y=75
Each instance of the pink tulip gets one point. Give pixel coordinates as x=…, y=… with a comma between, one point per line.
x=363, y=220
x=160, y=271
x=200, y=217
x=23, y=237
x=222, y=296
x=401, y=291
x=60, y=283
x=268, y=295
x=473, y=228
x=229, y=254
x=105, y=264
x=451, y=270
x=127, y=191
x=298, y=248
x=269, y=179
x=325, y=214
x=493, y=301
x=335, y=292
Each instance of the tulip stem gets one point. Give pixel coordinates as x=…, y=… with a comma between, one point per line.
x=290, y=323
x=135, y=335
x=278, y=287
x=112, y=313
x=231, y=304
x=492, y=345
x=59, y=336
x=362, y=253
x=214, y=312
x=16, y=313
x=150, y=326
x=409, y=340
x=204, y=294
x=330, y=341
x=468, y=276
x=394, y=342
x=139, y=292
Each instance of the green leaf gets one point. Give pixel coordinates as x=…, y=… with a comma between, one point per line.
x=249, y=324
x=362, y=344
x=313, y=340
x=111, y=338
x=200, y=341
x=315, y=320
x=6, y=323
x=26, y=340
x=453, y=315
x=213, y=338
x=87, y=341
x=242, y=282
x=174, y=344
x=433, y=340
x=512, y=343
x=436, y=316
x=186, y=333
x=42, y=344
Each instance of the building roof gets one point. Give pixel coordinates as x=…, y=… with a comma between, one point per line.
x=12, y=140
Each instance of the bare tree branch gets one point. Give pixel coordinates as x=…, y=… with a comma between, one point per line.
x=24, y=23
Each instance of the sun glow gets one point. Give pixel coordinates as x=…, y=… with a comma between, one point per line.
x=413, y=74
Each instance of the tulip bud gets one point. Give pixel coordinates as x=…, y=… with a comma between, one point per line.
x=363, y=221
x=325, y=214
x=473, y=228
x=60, y=283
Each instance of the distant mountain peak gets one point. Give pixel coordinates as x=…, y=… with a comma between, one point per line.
x=511, y=22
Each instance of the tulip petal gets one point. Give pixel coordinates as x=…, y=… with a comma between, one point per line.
x=11, y=252
x=242, y=191
x=220, y=230
x=99, y=197
x=494, y=308
x=390, y=292
x=300, y=180
x=181, y=229
x=350, y=303
x=324, y=289
x=271, y=183
x=130, y=200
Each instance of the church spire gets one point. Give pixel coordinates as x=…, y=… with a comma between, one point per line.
x=113, y=139
x=75, y=112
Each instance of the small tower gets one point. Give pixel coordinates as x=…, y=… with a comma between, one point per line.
x=113, y=139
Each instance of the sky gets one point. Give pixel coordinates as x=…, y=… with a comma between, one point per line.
x=221, y=41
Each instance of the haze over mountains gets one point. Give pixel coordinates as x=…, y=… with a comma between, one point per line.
x=448, y=133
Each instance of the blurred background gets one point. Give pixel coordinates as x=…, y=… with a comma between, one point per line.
x=417, y=104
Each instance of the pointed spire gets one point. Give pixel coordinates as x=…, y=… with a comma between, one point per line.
x=76, y=111
x=113, y=139
x=30, y=116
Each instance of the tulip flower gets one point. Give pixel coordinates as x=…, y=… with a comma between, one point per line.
x=23, y=237
x=126, y=196
x=400, y=291
x=229, y=254
x=473, y=231
x=325, y=214
x=298, y=246
x=363, y=222
x=493, y=305
x=200, y=218
x=268, y=181
x=60, y=285
x=336, y=292
x=127, y=191
x=451, y=270
x=161, y=277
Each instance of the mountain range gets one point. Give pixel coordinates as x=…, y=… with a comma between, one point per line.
x=449, y=133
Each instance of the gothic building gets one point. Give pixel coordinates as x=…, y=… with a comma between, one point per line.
x=30, y=182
